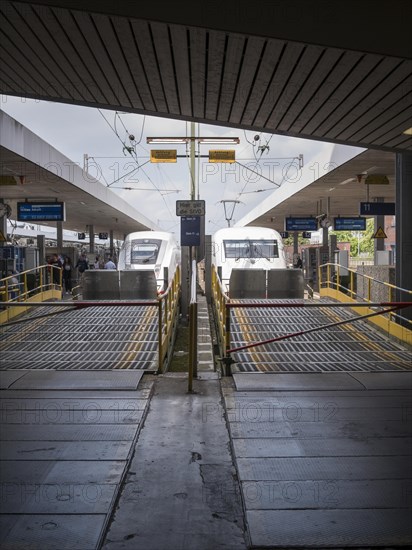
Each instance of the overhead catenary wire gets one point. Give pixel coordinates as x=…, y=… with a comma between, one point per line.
x=134, y=157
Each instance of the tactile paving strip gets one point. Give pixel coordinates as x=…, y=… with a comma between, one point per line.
x=91, y=338
x=351, y=347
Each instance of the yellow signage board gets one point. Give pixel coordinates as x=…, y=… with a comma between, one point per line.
x=380, y=234
x=163, y=155
x=222, y=156
x=8, y=180
x=377, y=179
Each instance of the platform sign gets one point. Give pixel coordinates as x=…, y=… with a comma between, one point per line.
x=306, y=235
x=377, y=209
x=222, y=156
x=41, y=212
x=349, y=224
x=284, y=234
x=301, y=224
x=190, y=208
x=190, y=230
x=163, y=155
x=103, y=236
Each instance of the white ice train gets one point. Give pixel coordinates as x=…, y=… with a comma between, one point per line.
x=150, y=250
x=247, y=248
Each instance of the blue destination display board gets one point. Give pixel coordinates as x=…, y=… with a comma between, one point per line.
x=349, y=224
x=301, y=224
x=41, y=212
x=190, y=230
x=377, y=209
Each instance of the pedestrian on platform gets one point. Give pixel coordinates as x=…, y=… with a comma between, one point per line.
x=298, y=262
x=55, y=266
x=110, y=264
x=82, y=265
x=67, y=275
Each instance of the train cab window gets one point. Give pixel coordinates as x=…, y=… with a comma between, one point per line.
x=251, y=249
x=144, y=251
x=265, y=249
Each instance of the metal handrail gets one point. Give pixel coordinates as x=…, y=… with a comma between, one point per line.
x=7, y=286
x=336, y=269
x=192, y=328
x=221, y=301
x=168, y=304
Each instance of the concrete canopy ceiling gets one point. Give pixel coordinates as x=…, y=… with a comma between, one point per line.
x=32, y=169
x=324, y=70
x=337, y=193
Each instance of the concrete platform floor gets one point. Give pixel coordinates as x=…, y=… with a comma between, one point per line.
x=181, y=491
x=254, y=461
x=66, y=442
x=323, y=461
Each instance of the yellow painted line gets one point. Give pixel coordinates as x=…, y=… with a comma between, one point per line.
x=402, y=333
x=130, y=353
x=248, y=324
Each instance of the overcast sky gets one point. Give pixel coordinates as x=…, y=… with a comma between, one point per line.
x=76, y=131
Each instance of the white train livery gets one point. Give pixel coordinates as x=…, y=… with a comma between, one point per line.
x=150, y=250
x=247, y=248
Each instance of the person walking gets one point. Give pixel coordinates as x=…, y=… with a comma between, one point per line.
x=67, y=275
x=82, y=265
x=55, y=267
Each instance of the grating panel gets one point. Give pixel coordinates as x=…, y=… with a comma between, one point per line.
x=353, y=347
x=89, y=339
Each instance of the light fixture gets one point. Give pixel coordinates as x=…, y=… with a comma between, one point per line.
x=346, y=181
x=408, y=132
x=188, y=139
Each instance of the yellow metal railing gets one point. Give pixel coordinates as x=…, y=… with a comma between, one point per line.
x=168, y=305
x=222, y=313
x=346, y=285
x=32, y=285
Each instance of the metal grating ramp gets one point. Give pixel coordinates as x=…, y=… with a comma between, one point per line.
x=88, y=339
x=353, y=347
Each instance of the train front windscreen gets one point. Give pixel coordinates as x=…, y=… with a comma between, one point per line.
x=251, y=249
x=144, y=251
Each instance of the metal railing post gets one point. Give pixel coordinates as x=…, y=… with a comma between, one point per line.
x=160, y=336
x=191, y=348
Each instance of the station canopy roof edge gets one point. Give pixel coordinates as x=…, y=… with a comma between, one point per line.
x=338, y=192
x=32, y=170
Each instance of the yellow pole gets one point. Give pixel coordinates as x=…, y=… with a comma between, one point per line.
x=160, y=336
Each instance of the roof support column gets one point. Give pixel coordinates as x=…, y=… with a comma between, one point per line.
x=91, y=239
x=59, y=227
x=379, y=244
x=111, y=245
x=403, y=249
x=295, y=242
